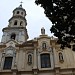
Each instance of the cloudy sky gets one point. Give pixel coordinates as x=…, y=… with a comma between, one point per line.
x=36, y=18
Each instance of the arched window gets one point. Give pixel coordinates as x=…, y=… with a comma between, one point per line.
x=13, y=36
x=18, y=12
x=43, y=45
x=22, y=13
x=45, y=61
x=61, y=57
x=29, y=59
x=21, y=23
x=8, y=63
x=15, y=23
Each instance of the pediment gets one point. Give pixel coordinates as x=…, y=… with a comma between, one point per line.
x=11, y=43
x=9, y=51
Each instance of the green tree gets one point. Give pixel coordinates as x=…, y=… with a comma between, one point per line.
x=62, y=15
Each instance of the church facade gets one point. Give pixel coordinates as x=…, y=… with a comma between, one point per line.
x=39, y=56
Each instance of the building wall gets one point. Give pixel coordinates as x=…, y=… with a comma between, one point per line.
x=20, y=60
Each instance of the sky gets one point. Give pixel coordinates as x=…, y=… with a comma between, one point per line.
x=35, y=17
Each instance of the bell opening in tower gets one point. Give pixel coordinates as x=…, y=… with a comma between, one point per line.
x=13, y=36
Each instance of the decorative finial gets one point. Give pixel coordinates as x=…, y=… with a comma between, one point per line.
x=21, y=4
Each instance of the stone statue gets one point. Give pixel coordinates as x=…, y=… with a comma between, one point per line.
x=42, y=30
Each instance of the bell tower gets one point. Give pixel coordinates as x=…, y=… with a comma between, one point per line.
x=16, y=29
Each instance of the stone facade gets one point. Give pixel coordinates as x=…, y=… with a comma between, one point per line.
x=39, y=56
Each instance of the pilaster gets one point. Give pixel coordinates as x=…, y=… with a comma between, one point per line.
x=57, y=72
x=35, y=69
x=14, y=70
x=35, y=59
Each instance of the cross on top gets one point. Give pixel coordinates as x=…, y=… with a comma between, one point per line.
x=21, y=2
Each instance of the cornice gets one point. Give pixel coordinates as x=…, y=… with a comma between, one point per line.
x=2, y=46
x=6, y=28
x=18, y=16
